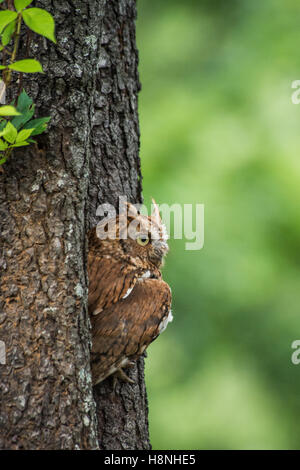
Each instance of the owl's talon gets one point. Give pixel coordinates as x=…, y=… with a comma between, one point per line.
x=120, y=374
x=114, y=384
x=124, y=377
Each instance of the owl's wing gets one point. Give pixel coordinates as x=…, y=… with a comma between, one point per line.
x=124, y=330
x=109, y=282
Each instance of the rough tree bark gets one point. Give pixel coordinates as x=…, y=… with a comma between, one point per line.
x=48, y=200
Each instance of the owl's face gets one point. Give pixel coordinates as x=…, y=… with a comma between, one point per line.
x=147, y=239
x=140, y=239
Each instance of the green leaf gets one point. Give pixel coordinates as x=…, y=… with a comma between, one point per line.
x=8, y=111
x=19, y=144
x=20, y=4
x=6, y=16
x=24, y=102
x=8, y=32
x=2, y=67
x=23, y=135
x=26, y=107
x=40, y=21
x=3, y=124
x=27, y=66
x=9, y=133
x=3, y=145
x=3, y=160
x=38, y=125
x=19, y=121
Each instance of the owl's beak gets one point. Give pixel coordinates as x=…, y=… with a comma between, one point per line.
x=161, y=246
x=160, y=250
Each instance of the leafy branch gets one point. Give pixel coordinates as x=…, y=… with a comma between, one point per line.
x=19, y=129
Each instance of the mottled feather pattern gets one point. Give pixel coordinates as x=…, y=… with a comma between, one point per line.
x=128, y=327
x=129, y=303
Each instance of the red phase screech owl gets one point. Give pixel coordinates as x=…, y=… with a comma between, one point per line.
x=129, y=303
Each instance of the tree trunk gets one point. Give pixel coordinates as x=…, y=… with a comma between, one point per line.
x=48, y=200
x=115, y=171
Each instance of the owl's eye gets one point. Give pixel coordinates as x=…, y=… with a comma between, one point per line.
x=143, y=240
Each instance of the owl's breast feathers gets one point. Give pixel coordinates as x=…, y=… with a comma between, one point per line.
x=123, y=331
x=109, y=282
x=128, y=309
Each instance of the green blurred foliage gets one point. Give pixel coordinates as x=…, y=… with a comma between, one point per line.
x=218, y=127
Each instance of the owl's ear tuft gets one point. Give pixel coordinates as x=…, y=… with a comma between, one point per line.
x=155, y=214
x=132, y=210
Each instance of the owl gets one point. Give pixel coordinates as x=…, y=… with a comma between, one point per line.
x=129, y=303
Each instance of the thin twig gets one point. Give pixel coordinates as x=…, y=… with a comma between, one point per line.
x=28, y=40
x=15, y=49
